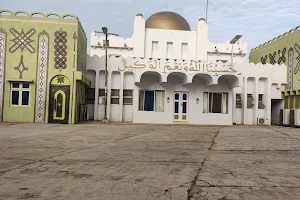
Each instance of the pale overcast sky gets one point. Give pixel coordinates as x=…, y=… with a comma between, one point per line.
x=257, y=20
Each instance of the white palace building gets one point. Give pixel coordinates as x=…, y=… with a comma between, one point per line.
x=167, y=73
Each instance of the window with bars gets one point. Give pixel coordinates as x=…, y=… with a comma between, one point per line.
x=154, y=49
x=127, y=97
x=184, y=51
x=260, y=102
x=169, y=50
x=250, y=100
x=20, y=94
x=115, y=96
x=90, y=95
x=101, y=92
x=238, y=101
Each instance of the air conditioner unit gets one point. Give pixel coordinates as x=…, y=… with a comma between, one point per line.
x=281, y=117
x=297, y=118
x=286, y=117
x=292, y=117
x=101, y=100
x=260, y=121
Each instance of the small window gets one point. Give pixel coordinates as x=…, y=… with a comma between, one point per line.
x=101, y=92
x=127, y=97
x=238, y=103
x=15, y=98
x=260, y=102
x=115, y=96
x=20, y=94
x=25, y=85
x=90, y=95
x=15, y=85
x=250, y=100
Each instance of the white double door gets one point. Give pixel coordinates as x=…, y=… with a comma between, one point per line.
x=181, y=100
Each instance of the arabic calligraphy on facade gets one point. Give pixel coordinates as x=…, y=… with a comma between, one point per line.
x=165, y=66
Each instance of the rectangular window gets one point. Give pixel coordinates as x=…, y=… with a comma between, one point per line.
x=250, y=100
x=215, y=103
x=101, y=92
x=184, y=51
x=115, y=96
x=154, y=50
x=169, y=50
x=151, y=100
x=238, y=101
x=127, y=97
x=90, y=95
x=20, y=94
x=260, y=102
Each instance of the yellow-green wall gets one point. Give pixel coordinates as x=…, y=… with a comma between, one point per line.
x=50, y=25
x=286, y=42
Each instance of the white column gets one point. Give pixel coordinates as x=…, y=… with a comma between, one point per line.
x=96, y=96
x=233, y=104
x=109, y=75
x=244, y=97
x=268, y=101
x=121, y=96
x=255, y=115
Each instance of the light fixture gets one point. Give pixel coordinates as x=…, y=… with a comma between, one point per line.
x=168, y=99
x=197, y=100
x=104, y=29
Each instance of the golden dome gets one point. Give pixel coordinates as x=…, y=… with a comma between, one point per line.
x=167, y=20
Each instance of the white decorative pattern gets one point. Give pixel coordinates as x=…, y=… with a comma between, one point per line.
x=169, y=50
x=154, y=49
x=2, y=68
x=41, y=78
x=184, y=51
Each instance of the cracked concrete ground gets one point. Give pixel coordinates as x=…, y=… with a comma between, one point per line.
x=129, y=161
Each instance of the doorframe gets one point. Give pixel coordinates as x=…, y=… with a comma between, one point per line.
x=187, y=109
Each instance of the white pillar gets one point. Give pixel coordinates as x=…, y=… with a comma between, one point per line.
x=96, y=96
x=109, y=75
x=255, y=114
x=233, y=104
x=269, y=101
x=121, y=96
x=244, y=97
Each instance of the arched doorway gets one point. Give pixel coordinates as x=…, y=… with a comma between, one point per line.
x=59, y=100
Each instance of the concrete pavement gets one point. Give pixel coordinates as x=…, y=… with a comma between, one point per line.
x=130, y=161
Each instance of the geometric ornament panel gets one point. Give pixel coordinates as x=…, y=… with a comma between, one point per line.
x=60, y=50
x=22, y=40
x=42, y=71
x=2, y=68
x=290, y=68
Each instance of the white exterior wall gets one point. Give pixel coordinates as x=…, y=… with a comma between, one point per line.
x=177, y=37
x=259, y=79
x=248, y=79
